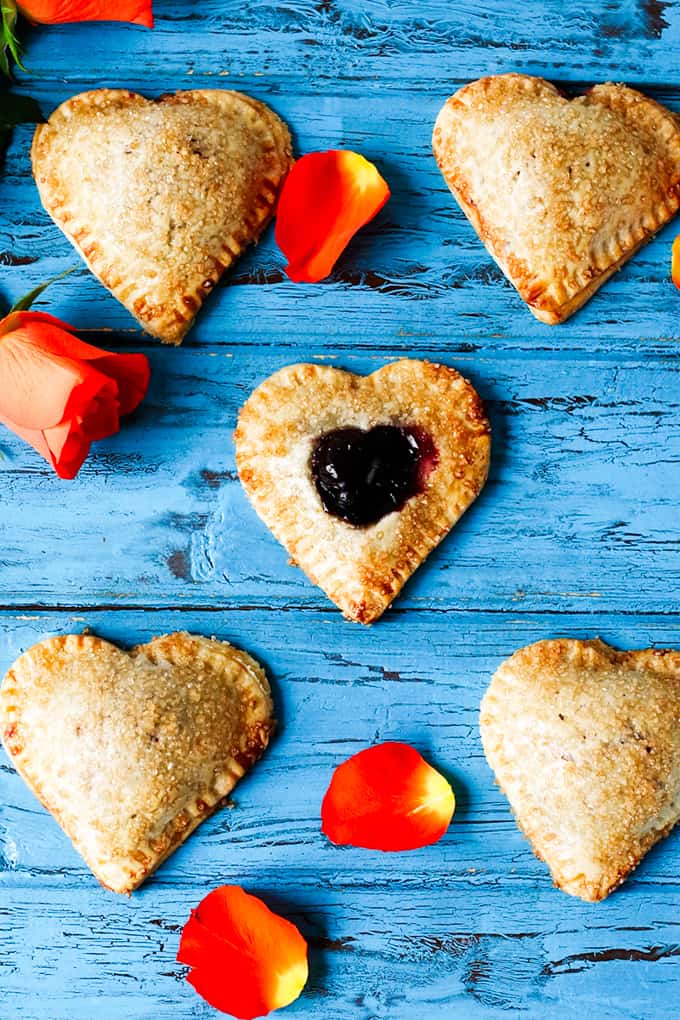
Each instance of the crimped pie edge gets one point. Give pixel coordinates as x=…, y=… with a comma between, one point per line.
x=377, y=591
x=554, y=299
x=591, y=656
x=181, y=308
x=125, y=877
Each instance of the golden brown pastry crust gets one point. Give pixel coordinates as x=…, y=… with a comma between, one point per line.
x=585, y=743
x=161, y=197
x=560, y=191
x=361, y=569
x=131, y=751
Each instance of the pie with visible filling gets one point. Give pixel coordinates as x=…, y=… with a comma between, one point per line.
x=361, y=477
x=585, y=744
x=131, y=751
x=560, y=191
x=161, y=197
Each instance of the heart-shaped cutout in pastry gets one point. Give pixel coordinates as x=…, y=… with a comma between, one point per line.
x=161, y=197
x=361, y=477
x=131, y=751
x=561, y=192
x=585, y=743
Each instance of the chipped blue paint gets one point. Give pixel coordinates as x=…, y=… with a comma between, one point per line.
x=576, y=533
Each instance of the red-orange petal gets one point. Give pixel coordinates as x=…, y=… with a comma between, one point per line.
x=245, y=960
x=326, y=198
x=60, y=394
x=65, y=447
x=36, y=386
x=387, y=798
x=54, y=12
x=675, y=263
x=130, y=371
x=47, y=374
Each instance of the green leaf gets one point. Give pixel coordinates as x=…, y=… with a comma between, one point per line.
x=8, y=40
x=24, y=303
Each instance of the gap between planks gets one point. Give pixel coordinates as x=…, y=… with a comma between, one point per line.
x=290, y=607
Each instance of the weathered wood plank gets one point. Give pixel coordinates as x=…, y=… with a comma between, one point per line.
x=575, y=534
x=470, y=927
x=374, y=953
x=580, y=511
x=417, y=274
x=373, y=39
x=419, y=679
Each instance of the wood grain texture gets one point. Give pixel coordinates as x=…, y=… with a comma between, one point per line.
x=417, y=275
x=575, y=534
x=470, y=926
x=580, y=506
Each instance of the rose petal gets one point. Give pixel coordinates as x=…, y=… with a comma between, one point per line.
x=16, y=319
x=69, y=447
x=326, y=198
x=387, y=798
x=52, y=12
x=36, y=387
x=245, y=960
x=64, y=449
x=94, y=410
x=42, y=366
x=675, y=263
x=131, y=371
x=60, y=394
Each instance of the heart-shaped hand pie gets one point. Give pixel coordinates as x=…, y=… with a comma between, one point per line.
x=161, y=197
x=361, y=477
x=561, y=192
x=131, y=751
x=585, y=743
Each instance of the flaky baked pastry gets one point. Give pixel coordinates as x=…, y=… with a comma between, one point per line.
x=362, y=567
x=131, y=751
x=560, y=191
x=585, y=743
x=161, y=197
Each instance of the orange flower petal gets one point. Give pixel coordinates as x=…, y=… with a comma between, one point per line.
x=43, y=368
x=53, y=12
x=36, y=386
x=387, y=798
x=60, y=394
x=63, y=447
x=326, y=198
x=16, y=319
x=130, y=371
x=244, y=959
x=675, y=263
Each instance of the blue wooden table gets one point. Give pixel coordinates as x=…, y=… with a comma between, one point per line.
x=575, y=534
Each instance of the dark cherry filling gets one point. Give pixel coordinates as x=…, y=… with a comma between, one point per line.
x=362, y=476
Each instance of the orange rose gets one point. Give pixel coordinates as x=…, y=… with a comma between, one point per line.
x=60, y=394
